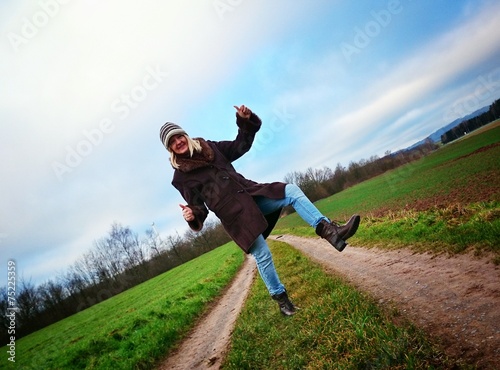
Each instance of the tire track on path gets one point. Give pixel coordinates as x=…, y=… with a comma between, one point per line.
x=206, y=345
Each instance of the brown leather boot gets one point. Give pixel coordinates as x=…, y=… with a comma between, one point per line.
x=337, y=234
x=286, y=306
x=350, y=228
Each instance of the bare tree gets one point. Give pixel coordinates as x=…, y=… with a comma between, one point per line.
x=109, y=257
x=73, y=282
x=51, y=295
x=174, y=242
x=4, y=304
x=313, y=182
x=153, y=242
x=28, y=302
x=126, y=243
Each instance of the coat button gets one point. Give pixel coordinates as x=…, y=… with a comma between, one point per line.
x=225, y=178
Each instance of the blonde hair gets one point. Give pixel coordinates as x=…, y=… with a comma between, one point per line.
x=193, y=146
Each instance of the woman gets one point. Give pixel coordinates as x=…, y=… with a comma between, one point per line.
x=248, y=210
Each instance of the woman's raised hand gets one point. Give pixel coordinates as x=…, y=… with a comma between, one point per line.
x=243, y=111
x=187, y=213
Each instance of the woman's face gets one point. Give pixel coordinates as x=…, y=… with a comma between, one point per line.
x=178, y=144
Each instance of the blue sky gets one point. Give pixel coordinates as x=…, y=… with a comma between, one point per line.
x=85, y=86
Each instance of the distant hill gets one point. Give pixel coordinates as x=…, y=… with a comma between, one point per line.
x=436, y=136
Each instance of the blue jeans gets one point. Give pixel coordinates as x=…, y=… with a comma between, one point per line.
x=260, y=250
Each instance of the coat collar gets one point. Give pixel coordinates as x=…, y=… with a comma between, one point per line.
x=198, y=160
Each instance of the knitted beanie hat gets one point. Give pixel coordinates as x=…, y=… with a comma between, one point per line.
x=168, y=130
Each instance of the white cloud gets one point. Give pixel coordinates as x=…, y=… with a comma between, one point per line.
x=432, y=67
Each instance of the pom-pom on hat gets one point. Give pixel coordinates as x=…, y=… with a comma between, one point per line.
x=168, y=130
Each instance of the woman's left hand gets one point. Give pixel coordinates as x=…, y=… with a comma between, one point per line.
x=243, y=111
x=187, y=213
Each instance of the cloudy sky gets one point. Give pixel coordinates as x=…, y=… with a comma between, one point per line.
x=85, y=86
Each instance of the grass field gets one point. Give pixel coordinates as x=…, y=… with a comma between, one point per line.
x=446, y=201
x=136, y=328
x=337, y=327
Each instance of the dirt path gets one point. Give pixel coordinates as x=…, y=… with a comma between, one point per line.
x=206, y=346
x=455, y=300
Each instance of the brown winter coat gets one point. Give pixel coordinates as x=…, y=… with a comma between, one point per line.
x=208, y=180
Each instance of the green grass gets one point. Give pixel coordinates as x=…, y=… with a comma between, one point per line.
x=449, y=200
x=135, y=329
x=452, y=229
x=336, y=328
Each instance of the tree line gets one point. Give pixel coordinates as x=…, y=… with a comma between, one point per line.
x=321, y=183
x=472, y=124
x=114, y=264
x=122, y=260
